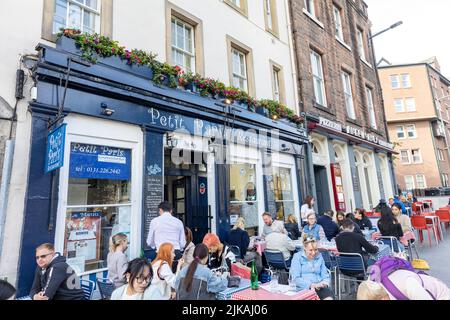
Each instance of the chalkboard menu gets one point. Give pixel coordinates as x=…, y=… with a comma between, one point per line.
x=270, y=195
x=355, y=179
x=380, y=183
x=153, y=180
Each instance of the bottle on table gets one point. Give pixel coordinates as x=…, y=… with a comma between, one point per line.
x=254, y=277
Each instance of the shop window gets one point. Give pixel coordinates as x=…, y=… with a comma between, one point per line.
x=98, y=203
x=281, y=186
x=244, y=195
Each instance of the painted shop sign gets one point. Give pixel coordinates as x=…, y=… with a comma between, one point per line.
x=88, y=161
x=330, y=124
x=367, y=136
x=54, y=156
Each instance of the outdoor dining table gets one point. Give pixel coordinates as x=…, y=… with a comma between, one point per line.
x=282, y=292
x=227, y=293
x=436, y=226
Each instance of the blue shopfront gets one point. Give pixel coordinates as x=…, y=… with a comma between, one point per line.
x=128, y=144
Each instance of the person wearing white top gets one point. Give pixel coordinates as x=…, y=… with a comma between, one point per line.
x=167, y=228
x=307, y=208
x=138, y=275
x=163, y=282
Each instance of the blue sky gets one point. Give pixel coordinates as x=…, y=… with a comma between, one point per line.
x=423, y=34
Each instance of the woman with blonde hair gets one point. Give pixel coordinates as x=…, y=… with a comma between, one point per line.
x=163, y=278
x=292, y=227
x=117, y=261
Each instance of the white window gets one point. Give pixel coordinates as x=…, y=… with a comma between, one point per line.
x=399, y=105
x=269, y=14
x=237, y=3
x=444, y=178
x=309, y=5
x=421, y=183
x=395, y=81
x=441, y=155
x=183, y=53
x=276, y=84
x=409, y=181
x=338, y=23
x=77, y=14
x=239, y=69
x=404, y=156
x=410, y=104
x=411, y=131
x=433, y=82
x=416, y=156
x=361, y=49
x=319, y=83
x=400, y=132
x=373, y=120
x=348, y=95
x=406, y=80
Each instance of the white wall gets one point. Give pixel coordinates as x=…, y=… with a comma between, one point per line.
x=146, y=29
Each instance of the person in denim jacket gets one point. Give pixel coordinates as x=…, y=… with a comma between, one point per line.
x=199, y=270
x=313, y=229
x=309, y=272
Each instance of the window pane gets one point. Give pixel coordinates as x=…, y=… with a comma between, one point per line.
x=60, y=17
x=87, y=234
x=395, y=83
x=406, y=81
x=88, y=21
x=400, y=132
x=405, y=156
x=399, y=107
x=92, y=4
x=74, y=16
x=410, y=104
x=409, y=180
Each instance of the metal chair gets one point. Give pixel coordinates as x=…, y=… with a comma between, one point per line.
x=390, y=241
x=330, y=263
x=236, y=251
x=88, y=287
x=350, y=267
x=275, y=260
x=106, y=288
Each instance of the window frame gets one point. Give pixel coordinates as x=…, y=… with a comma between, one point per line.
x=233, y=43
x=347, y=82
x=242, y=8
x=339, y=32
x=424, y=181
x=407, y=154
x=320, y=77
x=403, y=131
x=310, y=5
x=397, y=77
x=402, y=80
x=371, y=108
x=414, y=130
x=173, y=11
x=413, y=104
x=420, y=156
x=275, y=67
x=185, y=53
x=402, y=105
x=360, y=36
x=105, y=20
x=412, y=180
x=441, y=156
x=273, y=13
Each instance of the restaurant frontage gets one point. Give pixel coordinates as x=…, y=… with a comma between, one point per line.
x=127, y=144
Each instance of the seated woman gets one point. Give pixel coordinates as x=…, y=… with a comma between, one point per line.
x=239, y=237
x=361, y=220
x=163, y=283
x=340, y=217
x=308, y=270
x=390, y=227
x=277, y=240
x=403, y=219
x=292, y=227
x=189, y=280
x=220, y=255
x=313, y=229
x=138, y=277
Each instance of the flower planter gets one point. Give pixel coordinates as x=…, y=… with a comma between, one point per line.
x=69, y=45
x=192, y=87
x=262, y=111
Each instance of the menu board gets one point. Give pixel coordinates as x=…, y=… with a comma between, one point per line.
x=338, y=187
x=153, y=180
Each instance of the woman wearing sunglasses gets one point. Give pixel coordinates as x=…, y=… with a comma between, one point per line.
x=308, y=270
x=138, y=277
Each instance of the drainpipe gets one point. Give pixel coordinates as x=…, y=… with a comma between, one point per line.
x=293, y=56
x=6, y=176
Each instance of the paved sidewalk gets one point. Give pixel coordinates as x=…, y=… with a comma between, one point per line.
x=438, y=256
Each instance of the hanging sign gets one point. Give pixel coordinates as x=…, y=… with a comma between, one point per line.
x=90, y=161
x=54, y=156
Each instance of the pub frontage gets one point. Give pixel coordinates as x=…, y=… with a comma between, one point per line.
x=125, y=144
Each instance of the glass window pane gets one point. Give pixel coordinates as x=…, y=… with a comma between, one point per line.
x=97, y=191
x=74, y=17
x=242, y=182
x=92, y=4
x=87, y=234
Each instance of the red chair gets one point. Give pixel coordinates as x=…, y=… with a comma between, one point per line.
x=376, y=214
x=417, y=207
x=430, y=204
x=420, y=224
x=369, y=213
x=444, y=216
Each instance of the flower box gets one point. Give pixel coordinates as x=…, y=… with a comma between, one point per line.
x=262, y=111
x=192, y=87
x=67, y=44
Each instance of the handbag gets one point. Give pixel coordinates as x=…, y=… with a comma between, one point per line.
x=238, y=269
x=234, y=281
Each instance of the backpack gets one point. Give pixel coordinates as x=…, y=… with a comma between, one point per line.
x=380, y=271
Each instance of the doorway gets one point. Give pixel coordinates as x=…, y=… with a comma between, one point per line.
x=322, y=190
x=186, y=187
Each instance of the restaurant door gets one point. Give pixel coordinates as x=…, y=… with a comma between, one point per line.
x=186, y=187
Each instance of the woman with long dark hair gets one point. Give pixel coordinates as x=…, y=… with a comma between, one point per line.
x=388, y=224
x=197, y=281
x=138, y=278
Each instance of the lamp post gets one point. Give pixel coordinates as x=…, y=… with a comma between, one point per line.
x=395, y=25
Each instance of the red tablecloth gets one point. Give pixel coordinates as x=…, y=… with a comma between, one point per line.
x=262, y=294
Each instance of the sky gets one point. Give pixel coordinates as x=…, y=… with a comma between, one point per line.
x=423, y=34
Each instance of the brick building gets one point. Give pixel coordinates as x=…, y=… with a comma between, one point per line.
x=350, y=164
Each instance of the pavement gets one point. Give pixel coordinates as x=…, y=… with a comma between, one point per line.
x=438, y=256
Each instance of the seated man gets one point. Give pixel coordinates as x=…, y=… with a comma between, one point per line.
x=330, y=227
x=351, y=242
x=54, y=278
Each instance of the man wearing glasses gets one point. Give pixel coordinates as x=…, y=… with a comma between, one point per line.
x=54, y=278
